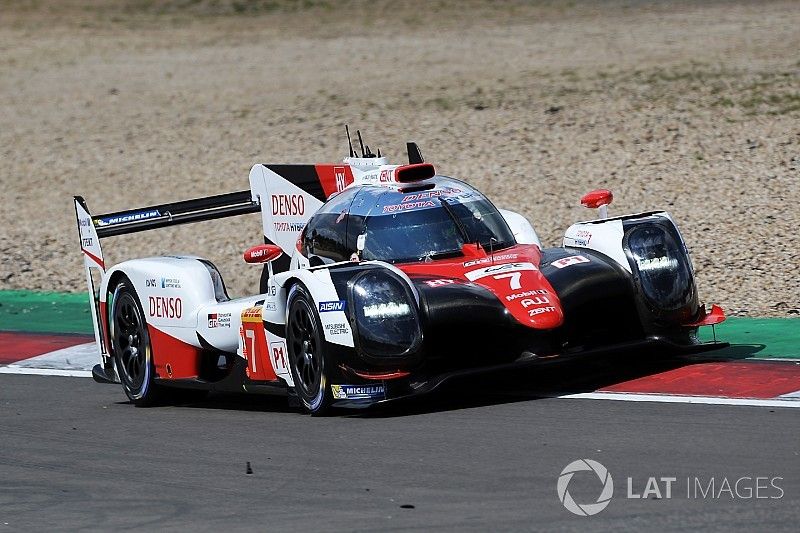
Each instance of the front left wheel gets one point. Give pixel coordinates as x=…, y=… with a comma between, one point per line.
x=307, y=352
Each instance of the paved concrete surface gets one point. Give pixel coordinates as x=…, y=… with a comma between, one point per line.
x=76, y=455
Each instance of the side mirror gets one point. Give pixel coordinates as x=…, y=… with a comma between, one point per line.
x=262, y=253
x=598, y=199
x=361, y=241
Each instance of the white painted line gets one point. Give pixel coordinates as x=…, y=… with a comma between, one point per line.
x=78, y=357
x=781, y=401
x=75, y=361
x=794, y=360
x=16, y=369
x=791, y=395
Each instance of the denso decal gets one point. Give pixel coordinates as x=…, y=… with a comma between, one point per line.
x=288, y=204
x=430, y=194
x=128, y=217
x=571, y=260
x=337, y=305
x=358, y=392
x=165, y=307
x=487, y=260
x=499, y=269
x=512, y=297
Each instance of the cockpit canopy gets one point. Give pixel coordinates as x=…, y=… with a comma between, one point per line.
x=431, y=219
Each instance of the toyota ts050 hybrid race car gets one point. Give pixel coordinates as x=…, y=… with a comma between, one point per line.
x=379, y=282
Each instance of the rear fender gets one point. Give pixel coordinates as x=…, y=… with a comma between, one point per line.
x=171, y=291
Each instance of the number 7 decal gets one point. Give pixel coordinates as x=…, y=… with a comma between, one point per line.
x=251, y=336
x=513, y=279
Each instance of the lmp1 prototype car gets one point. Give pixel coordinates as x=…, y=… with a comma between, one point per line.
x=379, y=282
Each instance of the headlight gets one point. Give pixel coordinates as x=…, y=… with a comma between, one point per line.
x=385, y=315
x=662, y=266
x=387, y=310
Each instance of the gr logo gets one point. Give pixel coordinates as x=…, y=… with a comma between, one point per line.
x=585, y=509
x=338, y=172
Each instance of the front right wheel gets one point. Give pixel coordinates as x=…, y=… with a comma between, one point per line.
x=307, y=352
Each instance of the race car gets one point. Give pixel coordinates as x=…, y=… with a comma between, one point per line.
x=380, y=282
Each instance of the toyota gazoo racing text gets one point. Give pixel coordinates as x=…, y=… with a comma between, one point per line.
x=379, y=282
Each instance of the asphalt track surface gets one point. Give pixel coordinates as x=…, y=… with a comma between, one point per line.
x=483, y=454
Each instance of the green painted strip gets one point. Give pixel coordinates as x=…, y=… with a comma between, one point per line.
x=757, y=338
x=45, y=312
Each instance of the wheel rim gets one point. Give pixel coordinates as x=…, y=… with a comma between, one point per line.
x=305, y=349
x=131, y=342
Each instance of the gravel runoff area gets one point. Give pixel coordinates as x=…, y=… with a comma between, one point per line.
x=693, y=107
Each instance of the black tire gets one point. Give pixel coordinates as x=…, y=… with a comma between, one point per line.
x=130, y=345
x=308, y=359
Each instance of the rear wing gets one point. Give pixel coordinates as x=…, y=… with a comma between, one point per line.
x=93, y=228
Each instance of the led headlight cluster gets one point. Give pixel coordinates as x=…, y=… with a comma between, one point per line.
x=662, y=266
x=386, y=318
x=387, y=310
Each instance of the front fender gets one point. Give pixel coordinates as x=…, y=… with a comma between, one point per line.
x=328, y=301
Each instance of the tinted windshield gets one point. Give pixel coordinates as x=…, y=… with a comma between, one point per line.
x=435, y=231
